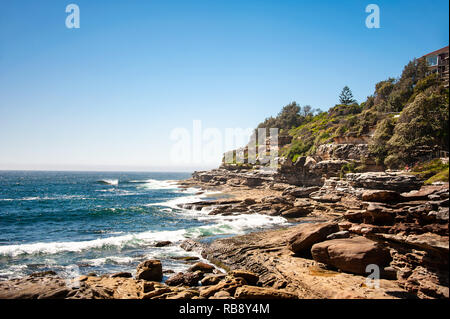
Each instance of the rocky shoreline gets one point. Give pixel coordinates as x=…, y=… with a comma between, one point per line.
x=378, y=218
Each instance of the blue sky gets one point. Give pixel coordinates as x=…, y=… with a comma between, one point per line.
x=107, y=95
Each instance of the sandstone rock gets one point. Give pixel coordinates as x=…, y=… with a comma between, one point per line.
x=378, y=214
x=355, y=216
x=297, y=211
x=206, y=268
x=252, y=292
x=351, y=255
x=250, y=277
x=381, y=196
x=275, y=200
x=210, y=280
x=385, y=181
x=249, y=201
x=186, y=279
x=300, y=191
x=309, y=234
x=325, y=198
x=150, y=270
x=185, y=294
x=221, y=295
x=229, y=284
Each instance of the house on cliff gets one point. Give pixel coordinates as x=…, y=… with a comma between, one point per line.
x=438, y=63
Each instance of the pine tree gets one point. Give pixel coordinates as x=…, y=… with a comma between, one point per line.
x=346, y=96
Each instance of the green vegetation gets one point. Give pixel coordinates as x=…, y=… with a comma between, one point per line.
x=346, y=96
x=430, y=169
x=442, y=176
x=406, y=119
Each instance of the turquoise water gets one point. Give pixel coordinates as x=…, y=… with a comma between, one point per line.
x=80, y=222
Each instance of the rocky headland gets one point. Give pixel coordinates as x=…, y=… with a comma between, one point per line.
x=339, y=228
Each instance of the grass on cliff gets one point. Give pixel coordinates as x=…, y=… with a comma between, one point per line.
x=442, y=176
x=432, y=171
x=429, y=169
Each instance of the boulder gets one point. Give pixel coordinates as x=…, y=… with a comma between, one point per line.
x=297, y=211
x=203, y=267
x=381, y=196
x=150, y=270
x=310, y=234
x=351, y=255
x=185, y=279
x=252, y=292
x=163, y=243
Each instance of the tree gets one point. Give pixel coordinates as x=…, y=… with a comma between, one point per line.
x=422, y=123
x=346, y=96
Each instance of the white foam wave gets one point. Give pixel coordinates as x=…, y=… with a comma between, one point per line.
x=159, y=184
x=77, y=246
x=221, y=225
x=33, y=198
x=109, y=260
x=108, y=181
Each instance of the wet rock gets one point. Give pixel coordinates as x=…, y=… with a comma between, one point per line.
x=192, y=245
x=351, y=255
x=150, y=270
x=163, y=243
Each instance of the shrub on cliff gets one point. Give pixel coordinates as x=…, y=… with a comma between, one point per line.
x=378, y=145
x=422, y=124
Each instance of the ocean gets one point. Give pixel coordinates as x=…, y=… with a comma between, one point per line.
x=76, y=223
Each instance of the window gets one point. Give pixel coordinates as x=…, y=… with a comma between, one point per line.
x=432, y=60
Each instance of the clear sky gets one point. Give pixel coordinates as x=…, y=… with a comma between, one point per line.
x=106, y=96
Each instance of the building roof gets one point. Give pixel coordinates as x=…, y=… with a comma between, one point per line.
x=444, y=49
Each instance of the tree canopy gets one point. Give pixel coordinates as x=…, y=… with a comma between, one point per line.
x=346, y=96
